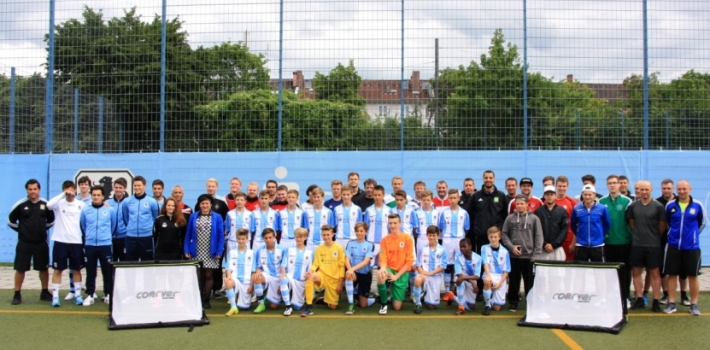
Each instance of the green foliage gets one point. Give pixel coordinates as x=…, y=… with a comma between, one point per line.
x=341, y=84
x=119, y=59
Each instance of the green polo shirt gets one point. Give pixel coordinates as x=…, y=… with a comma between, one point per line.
x=619, y=233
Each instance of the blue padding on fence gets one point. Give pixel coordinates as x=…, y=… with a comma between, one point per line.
x=300, y=169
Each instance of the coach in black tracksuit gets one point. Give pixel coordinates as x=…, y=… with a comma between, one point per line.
x=486, y=208
x=31, y=218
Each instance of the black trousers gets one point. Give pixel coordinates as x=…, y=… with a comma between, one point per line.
x=620, y=253
x=103, y=255
x=519, y=268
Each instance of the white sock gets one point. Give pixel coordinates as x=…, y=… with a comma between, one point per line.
x=77, y=289
x=55, y=290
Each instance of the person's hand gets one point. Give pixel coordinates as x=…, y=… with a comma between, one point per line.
x=548, y=248
x=308, y=274
x=350, y=274
x=187, y=256
x=217, y=256
x=382, y=274
x=570, y=248
x=495, y=286
x=459, y=281
x=391, y=277
x=516, y=250
x=339, y=288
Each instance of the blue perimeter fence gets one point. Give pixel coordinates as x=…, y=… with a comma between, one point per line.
x=298, y=170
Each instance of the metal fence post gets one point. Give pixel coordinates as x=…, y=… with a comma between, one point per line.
x=401, y=85
x=668, y=130
x=525, y=74
x=162, y=75
x=281, y=83
x=645, y=74
x=100, y=136
x=49, y=86
x=576, y=127
x=76, y=120
x=11, y=127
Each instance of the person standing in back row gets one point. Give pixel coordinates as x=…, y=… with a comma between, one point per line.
x=686, y=219
x=139, y=213
x=67, y=238
x=31, y=218
x=486, y=208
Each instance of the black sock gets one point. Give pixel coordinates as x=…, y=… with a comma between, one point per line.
x=17, y=293
x=683, y=294
x=665, y=294
x=45, y=290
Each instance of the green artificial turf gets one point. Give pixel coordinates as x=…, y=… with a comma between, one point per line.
x=34, y=324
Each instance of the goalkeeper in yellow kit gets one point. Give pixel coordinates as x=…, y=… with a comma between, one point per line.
x=327, y=271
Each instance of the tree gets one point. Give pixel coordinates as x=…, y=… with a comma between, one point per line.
x=247, y=121
x=119, y=59
x=341, y=84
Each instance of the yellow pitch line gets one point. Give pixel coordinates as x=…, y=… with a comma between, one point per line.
x=364, y=316
x=250, y=315
x=104, y=313
x=566, y=339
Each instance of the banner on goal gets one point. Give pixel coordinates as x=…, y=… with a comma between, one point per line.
x=155, y=294
x=576, y=295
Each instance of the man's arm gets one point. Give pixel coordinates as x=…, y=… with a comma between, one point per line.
x=562, y=231
x=538, y=239
x=54, y=202
x=505, y=238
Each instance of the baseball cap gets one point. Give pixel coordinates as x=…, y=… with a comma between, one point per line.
x=589, y=188
x=525, y=180
x=549, y=188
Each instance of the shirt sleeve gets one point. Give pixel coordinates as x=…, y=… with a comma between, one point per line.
x=114, y=220
x=444, y=260
x=383, y=253
x=457, y=265
x=341, y=262
x=466, y=222
x=54, y=202
x=409, y=247
x=477, y=267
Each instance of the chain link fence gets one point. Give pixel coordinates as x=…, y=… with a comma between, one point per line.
x=268, y=75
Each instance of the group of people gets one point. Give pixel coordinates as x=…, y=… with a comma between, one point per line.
x=268, y=247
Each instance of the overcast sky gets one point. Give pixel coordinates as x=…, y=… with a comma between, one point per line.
x=596, y=41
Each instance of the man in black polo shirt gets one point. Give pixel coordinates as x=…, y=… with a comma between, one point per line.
x=31, y=218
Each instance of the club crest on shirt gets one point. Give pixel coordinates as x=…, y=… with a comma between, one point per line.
x=401, y=244
x=495, y=199
x=364, y=249
x=335, y=254
x=618, y=207
x=165, y=224
x=692, y=211
x=104, y=213
x=41, y=206
x=145, y=205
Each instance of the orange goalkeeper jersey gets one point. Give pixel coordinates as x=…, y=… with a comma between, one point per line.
x=397, y=253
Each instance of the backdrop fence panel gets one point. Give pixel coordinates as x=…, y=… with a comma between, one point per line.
x=298, y=170
x=317, y=75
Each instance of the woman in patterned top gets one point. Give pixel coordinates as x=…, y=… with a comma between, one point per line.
x=204, y=241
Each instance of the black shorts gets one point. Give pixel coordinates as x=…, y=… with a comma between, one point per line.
x=648, y=257
x=35, y=253
x=681, y=262
x=363, y=282
x=593, y=254
x=74, y=252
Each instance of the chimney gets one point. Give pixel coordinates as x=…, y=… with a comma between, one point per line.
x=570, y=78
x=416, y=83
x=298, y=79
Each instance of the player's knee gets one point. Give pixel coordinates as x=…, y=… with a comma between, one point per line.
x=418, y=281
x=273, y=306
x=496, y=307
x=332, y=306
x=431, y=307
